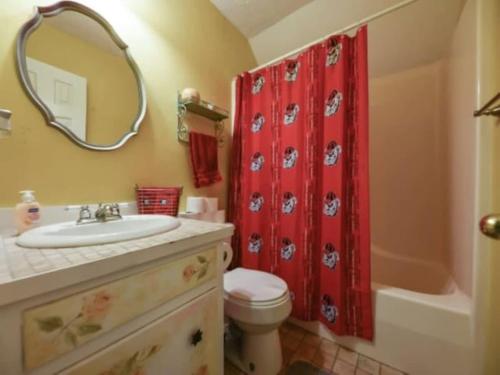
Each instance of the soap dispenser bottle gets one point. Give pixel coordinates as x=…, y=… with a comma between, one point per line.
x=27, y=213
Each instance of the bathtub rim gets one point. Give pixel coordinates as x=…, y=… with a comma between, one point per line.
x=456, y=302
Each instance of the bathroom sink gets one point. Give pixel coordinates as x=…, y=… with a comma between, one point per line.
x=70, y=234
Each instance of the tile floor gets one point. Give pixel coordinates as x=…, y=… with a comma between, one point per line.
x=299, y=345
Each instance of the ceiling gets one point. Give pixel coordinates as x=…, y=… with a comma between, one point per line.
x=253, y=16
x=416, y=34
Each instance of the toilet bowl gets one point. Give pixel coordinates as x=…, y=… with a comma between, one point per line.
x=257, y=302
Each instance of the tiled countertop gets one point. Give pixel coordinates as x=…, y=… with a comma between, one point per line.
x=28, y=272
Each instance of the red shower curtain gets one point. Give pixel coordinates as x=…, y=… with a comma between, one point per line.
x=299, y=185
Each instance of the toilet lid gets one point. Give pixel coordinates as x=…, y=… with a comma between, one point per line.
x=253, y=286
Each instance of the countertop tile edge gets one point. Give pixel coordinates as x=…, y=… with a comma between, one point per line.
x=15, y=290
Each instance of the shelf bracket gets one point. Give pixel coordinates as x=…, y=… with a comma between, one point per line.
x=182, y=130
x=203, y=109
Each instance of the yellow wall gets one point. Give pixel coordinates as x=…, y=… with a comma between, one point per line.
x=112, y=94
x=176, y=44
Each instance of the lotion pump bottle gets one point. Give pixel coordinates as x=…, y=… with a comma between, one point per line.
x=27, y=213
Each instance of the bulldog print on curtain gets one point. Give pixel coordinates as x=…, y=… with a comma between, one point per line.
x=299, y=185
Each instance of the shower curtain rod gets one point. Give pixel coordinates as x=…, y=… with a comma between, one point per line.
x=364, y=21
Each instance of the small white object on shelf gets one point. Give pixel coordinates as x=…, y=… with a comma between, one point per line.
x=190, y=94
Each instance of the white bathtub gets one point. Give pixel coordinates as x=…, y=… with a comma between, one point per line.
x=422, y=320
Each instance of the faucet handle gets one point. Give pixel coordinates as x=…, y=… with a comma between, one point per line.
x=115, y=209
x=84, y=214
x=107, y=212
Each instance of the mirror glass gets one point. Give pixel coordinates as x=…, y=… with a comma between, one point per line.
x=85, y=78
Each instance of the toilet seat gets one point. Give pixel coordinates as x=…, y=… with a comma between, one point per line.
x=254, y=287
x=255, y=297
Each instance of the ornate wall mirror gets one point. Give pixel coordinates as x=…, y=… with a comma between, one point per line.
x=81, y=76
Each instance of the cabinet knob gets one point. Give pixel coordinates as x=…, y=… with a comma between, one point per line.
x=196, y=337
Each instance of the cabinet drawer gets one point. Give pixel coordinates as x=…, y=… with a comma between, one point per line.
x=184, y=342
x=58, y=327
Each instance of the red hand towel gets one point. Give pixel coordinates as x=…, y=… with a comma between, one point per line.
x=203, y=150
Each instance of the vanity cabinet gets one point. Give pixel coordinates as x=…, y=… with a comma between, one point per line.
x=182, y=342
x=163, y=316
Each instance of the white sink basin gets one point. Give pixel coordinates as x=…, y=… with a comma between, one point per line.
x=69, y=234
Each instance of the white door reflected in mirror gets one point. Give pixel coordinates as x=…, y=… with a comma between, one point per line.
x=63, y=92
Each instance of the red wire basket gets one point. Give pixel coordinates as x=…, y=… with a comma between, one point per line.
x=158, y=200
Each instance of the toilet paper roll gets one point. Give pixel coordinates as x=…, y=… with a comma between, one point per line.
x=220, y=216
x=211, y=204
x=195, y=205
x=227, y=250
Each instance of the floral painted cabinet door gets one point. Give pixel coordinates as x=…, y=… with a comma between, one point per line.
x=61, y=326
x=184, y=342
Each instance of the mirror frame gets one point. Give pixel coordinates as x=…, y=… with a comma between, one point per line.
x=29, y=27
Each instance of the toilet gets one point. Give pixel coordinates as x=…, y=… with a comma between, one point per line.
x=257, y=303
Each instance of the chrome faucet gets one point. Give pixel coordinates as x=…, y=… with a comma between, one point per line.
x=107, y=212
x=104, y=212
